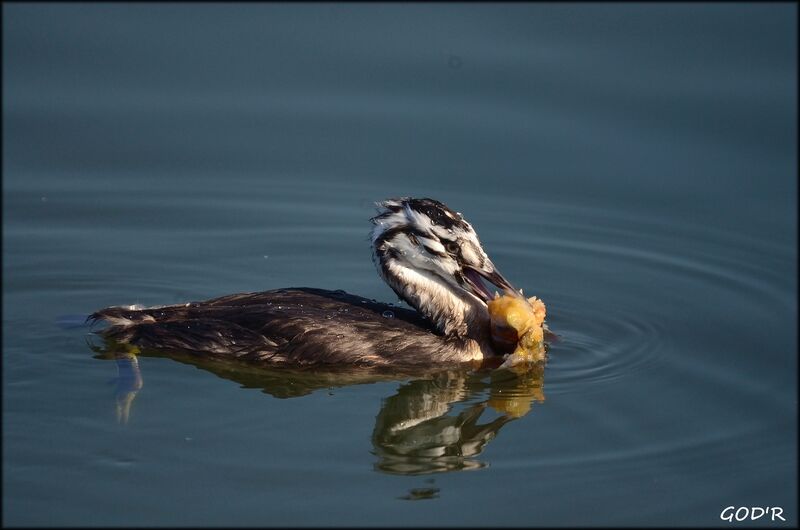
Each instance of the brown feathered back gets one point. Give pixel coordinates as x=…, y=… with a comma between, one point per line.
x=295, y=325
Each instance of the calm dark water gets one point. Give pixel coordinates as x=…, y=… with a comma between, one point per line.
x=632, y=165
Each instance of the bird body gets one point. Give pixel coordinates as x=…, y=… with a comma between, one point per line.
x=295, y=325
x=427, y=253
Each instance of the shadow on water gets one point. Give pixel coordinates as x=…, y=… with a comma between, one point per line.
x=418, y=430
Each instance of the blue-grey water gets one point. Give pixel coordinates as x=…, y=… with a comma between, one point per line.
x=634, y=165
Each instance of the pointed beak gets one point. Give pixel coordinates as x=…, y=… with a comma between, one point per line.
x=475, y=280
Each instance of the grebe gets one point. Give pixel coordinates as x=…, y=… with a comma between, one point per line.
x=427, y=253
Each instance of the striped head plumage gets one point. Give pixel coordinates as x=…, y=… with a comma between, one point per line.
x=432, y=257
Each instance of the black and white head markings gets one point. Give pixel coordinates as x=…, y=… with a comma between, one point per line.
x=432, y=258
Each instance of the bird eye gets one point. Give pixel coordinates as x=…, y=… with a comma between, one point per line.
x=451, y=247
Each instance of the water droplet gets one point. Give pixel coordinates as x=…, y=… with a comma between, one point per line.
x=388, y=314
x=266, y=256
x=454, y=61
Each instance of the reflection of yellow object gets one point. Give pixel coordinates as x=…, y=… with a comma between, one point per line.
x=519, y=323
x=515, y=394
x=516, y=407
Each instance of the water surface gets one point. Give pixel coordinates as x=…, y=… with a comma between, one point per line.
x=632, y=165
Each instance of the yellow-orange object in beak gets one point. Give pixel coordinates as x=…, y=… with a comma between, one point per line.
x=518, y=323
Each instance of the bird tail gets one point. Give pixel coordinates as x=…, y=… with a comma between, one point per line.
x=120, y=316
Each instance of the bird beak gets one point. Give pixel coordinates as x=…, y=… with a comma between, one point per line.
x=475, y=278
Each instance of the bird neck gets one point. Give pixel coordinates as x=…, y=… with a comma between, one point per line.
x=453, y=315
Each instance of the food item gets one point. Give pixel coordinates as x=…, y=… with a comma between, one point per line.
x=518, y=323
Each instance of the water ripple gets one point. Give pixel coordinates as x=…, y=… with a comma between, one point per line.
x=600, y=344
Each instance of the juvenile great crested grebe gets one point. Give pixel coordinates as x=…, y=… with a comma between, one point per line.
x=427, y=253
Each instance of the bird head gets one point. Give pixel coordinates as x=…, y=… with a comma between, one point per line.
x=432, y=257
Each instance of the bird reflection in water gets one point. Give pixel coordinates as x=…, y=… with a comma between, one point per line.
x=431, y=424
x=128, y=381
